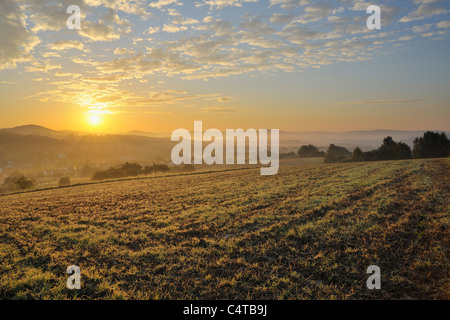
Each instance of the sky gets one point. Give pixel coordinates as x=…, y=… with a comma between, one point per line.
x=156, y=66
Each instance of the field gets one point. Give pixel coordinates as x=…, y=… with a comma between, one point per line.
x=309, y=232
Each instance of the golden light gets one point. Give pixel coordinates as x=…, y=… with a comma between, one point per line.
x=97, y=113
x=94, y=119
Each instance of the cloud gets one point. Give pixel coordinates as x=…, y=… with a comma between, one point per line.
x=67, y=74
x=223, y=109
x=152, y=30
x=51, y=54
x=46, y=15
x=98, y=31
x=443, y=24
x=137, y=7
x=224, y=99
x=280, y=18
x=219, y=4
x=101, y=96
x=301, y=34
x=374, y=102
x=173, y=28
x=65, y=45
x=288, y=4
x=16, y=41
x=391, y=101
x=123, y=51
x=162, y=3
x=291, y=36
x=425, y=9
x=185, y=21
x=255, y=25
x=218, y=27
x=316, y=12
x=107, y=79
x=44, y=66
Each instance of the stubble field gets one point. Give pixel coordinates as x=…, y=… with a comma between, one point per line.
x=309, y=232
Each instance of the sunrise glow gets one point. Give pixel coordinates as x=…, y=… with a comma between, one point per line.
x=94, y=120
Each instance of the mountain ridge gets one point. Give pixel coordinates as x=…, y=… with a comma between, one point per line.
x=289, y=140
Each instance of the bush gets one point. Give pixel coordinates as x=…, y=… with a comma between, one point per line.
x=23, y=183
x=156, y=168
x=129, y=170
x=64, y=181
x=357, y=154
x=310, y=151
x=337, y=154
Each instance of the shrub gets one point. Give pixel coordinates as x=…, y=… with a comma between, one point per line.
x=337, y=154
x=310, y=151
x=129, y=170
x=357, y=154
x=23, y=183
x=64, y=181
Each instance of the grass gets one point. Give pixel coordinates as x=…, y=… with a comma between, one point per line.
x=309, y=232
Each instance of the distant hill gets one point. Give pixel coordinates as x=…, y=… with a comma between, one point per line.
x=140, y=143
x=9, y=140
x=149, y=134
x=32, y=129
x=29, y=148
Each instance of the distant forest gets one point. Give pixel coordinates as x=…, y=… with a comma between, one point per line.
x=431, y=145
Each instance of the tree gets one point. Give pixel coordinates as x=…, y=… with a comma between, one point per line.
x=403, y=151
x=131, y=169
x=391, y=150
x=161, y=168
x=156, y=168
x=149, y=169
x=126, y=170
x=11, y=179
x=310, y=151
x=64, y=181
x=337, y=154
x=23, y=183
x=357, y=154
x=431, y=145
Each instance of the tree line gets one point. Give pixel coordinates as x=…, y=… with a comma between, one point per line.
x=129, y=170
x=431, y=145
x=135, y=169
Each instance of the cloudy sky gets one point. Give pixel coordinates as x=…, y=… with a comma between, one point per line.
x=298, y=65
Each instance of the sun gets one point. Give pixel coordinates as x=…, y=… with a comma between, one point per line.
x=94, y=120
